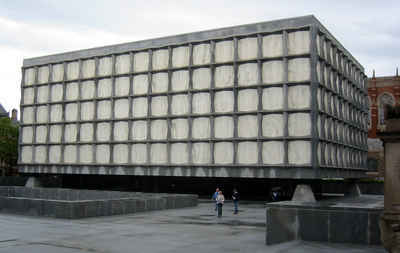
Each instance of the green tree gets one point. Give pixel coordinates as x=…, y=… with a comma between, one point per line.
x=8, y=144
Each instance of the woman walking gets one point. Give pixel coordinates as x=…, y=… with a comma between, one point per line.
x=220, y=203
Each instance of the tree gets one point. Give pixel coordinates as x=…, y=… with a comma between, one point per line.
x=8, y=144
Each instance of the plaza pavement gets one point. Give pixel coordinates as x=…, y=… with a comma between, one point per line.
x=191, y=230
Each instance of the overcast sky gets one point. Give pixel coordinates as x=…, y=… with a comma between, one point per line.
x=368, y=29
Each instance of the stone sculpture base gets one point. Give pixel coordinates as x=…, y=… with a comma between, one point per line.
x=76, y=204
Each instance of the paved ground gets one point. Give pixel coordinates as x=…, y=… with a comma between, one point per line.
x=190, y=230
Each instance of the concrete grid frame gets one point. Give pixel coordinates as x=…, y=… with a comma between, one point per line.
x=279, y=99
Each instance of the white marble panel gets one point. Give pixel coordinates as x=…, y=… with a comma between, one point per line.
x=299, y=97
x=224, y=76
x=43, y=94
x=159, y=106
x=201, y=103
x=87, y=111
x=139, y=107
x=140, y=84
x=272, y=98
x=201, y=78
x=223, y=127
x=272, y=125
x=180, y=104
x=247, y=48
x=104, y=109
x=28, y=95
x=247, y=152
x=121, y=108
x=58, y=72
x=104, y=88
x=299, y=124
x=159, y=129
x=121, y=131
x=159, y=82
x=201, y=153
x=30, y=74
x=55, y=113
x=72, y=91
x=28, y=115
x=141, y=62
x=55, y=133
x=72, y=70
x=27, y=135
x=121, y=153
x=224, y=51
x=41, y=134
x=299, y=42
x=88, y=90
x=102, y=154
x=103, y=131
x=273, y=152
x=56, y=93
x=55, y=154
x=43, y=75
x=86, y=154
x=139, y=153
x=272, y=72
x=122, y=85
x=179, y=153
x=70, y=154
x=248, y=126
x=180, y=80
x=272, y=45
x=40, y=154
x=223, y=153
x=223, y=101
x=179, y=128
x=201, y=54
x=160, y=59
x=139, y=130
x=180, y=57
x=248, y=100
x=248, y=74
x=42, y=114
x=299, y=70
x=299, y=152
x=105, y=66
x=158, y=153
x=201, y=128
x=88, y=68
x=26, y=156
x=70, y=133
x=122, y=64
x=86, y=132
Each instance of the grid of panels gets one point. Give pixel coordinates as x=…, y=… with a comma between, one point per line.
x=342, y=102
x=231, y=101
x=245, y=100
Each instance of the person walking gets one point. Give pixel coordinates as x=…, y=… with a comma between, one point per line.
x=235, y=198
x=220, y=203
x=214, y=197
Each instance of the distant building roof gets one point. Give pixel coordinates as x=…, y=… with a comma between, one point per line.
x=3, y=112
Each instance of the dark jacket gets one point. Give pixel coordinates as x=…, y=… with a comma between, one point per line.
x=235, y=196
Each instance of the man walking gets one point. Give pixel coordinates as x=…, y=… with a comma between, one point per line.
x=214, y=197
x=220, y=203
x=235, y=198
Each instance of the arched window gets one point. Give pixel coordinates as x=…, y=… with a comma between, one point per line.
x=383, y=100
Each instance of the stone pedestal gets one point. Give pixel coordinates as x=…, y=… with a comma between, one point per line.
x=390, y=221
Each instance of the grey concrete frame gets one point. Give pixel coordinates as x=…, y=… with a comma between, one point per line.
x=233, y=33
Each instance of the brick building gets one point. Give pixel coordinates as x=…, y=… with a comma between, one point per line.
x=382, y=91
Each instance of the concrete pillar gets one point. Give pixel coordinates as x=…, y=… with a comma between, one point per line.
x=33, y=182
x=390, y=221
x=303, y=193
